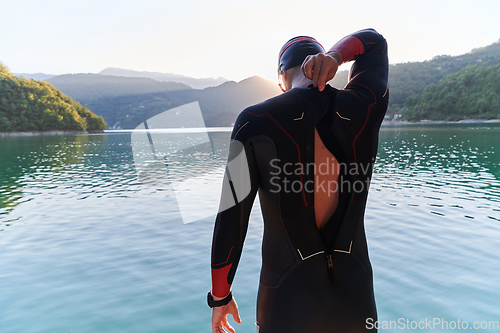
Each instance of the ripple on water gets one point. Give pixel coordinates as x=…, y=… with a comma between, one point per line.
x=86, y=247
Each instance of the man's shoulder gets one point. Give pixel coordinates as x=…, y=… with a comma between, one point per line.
x=287, y=100
x=272, y=105
x=303, y=99
x=255, y=118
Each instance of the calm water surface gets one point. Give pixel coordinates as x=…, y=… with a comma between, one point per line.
x=86, y=247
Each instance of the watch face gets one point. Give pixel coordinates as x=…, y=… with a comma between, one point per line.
x=210, y=299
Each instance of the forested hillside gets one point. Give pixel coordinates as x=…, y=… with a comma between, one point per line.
x=410, y=79
x=29, y=105
x=472, y=93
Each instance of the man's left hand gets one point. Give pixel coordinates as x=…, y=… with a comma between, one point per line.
x=321, y=67
x=219, y=317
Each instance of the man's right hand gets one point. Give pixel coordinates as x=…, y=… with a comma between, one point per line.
x=219, y=317
x=322, y=67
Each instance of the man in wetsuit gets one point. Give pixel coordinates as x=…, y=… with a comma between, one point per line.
x=310, y=155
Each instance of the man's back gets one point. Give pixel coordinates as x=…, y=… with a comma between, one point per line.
x=315, y=275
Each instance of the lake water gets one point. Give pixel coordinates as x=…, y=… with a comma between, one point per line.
x=86, y=247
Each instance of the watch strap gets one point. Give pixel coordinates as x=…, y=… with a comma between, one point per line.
x=213, y=303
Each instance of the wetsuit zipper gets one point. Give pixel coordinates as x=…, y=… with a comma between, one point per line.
x=329, y=262
x=329, y=258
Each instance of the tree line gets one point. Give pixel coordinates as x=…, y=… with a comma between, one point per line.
x=29, y=105
x=471, y=93
x=413, y=87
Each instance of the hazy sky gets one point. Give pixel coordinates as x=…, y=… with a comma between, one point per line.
x=225, y=38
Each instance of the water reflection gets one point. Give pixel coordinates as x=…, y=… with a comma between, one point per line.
x=90, y=166
x=57, y=163
x=78, y=222
x=461, y=161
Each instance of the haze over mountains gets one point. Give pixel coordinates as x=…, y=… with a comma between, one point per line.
x=192, y=82
x=35, y=76
x=126, y=102
x=125, y=98
x=168, y=77
x=85, y=87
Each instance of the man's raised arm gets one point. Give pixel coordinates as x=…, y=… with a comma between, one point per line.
x=369, y=50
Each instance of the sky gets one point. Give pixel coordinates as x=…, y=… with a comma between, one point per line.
x=232, y=39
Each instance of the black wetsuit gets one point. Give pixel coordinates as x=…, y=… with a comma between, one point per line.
x=311, y=280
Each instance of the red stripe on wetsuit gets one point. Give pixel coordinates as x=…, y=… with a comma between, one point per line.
x=349, y=47
x=220, y=287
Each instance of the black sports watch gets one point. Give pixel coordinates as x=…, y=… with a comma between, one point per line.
x=213, y=303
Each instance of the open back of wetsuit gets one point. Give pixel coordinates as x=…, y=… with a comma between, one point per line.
x=311, y=280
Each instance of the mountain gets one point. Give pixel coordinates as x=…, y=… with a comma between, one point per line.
x=471, y=93
x=83, y=87
x=410, y=79
x=29, y=105
x=36, y=76
x=221, y=105
x=192, y=82
x=138, y=99
x=128, y=101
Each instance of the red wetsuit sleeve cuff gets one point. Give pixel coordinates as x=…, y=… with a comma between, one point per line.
x=220, y=287
x=349, y=47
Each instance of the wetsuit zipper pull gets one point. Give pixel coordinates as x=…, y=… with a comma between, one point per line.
x=330, y=261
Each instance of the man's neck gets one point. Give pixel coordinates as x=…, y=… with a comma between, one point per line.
x=300, y=81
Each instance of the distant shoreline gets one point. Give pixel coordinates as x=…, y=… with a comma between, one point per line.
x=43, y=133
x=433, y=122
x=389, y=123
